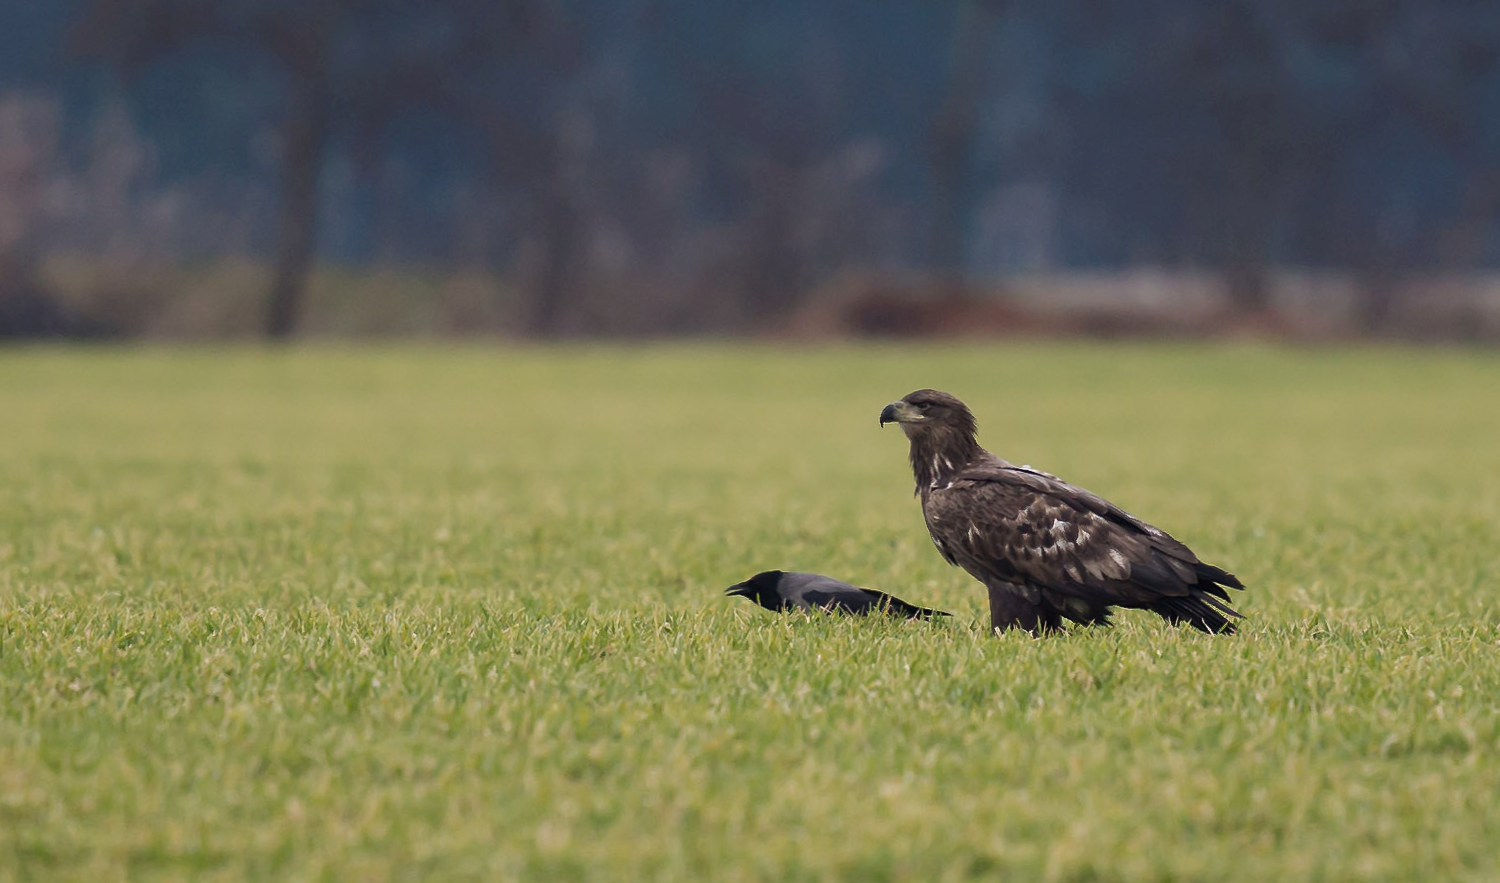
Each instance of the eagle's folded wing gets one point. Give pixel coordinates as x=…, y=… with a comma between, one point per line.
x=1032, y=529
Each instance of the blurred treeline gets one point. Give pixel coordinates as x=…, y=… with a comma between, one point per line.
x=692, y=166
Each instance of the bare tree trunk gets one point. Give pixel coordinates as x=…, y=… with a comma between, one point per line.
x=1378, y=291
x=304, y=138
x=561, y=206
x=772, y=278
x=1250, y=225
x=1381, y=280
x=560, y=236
x=953, y=128
x=1249, y=287
x=1247, y=270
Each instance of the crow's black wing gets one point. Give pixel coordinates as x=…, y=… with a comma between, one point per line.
x=868, y=601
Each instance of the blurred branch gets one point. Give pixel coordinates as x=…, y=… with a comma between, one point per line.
x=365, y=89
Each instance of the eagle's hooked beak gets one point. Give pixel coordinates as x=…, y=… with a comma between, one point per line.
x=899, y=412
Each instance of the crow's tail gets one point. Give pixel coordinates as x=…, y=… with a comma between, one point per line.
x=898, y=607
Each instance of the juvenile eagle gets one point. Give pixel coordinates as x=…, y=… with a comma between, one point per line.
x=778, y=590
x=1046, y=550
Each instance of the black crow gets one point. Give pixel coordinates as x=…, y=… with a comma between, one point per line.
x=1045, y=549
x=779, y=590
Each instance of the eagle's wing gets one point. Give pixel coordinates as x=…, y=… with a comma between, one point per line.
x=1036, y=531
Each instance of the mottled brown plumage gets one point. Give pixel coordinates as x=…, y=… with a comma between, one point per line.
x=1045, y=549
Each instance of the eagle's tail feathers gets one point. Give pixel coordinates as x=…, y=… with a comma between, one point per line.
x=1207, y=573
x=1222, y=607
x=1200, y=611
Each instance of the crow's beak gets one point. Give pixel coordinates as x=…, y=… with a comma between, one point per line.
x=742, y=589
x=899, y=412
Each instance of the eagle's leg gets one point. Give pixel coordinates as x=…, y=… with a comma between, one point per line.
x=1009, y=609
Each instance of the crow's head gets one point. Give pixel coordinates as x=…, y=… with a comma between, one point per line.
x=929, y=413
x=761, y=589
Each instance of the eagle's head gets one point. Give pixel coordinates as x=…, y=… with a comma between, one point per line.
x=761, y=588
x=942, y=433
x=929, y=413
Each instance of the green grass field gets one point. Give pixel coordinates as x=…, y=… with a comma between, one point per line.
x=400, y=613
